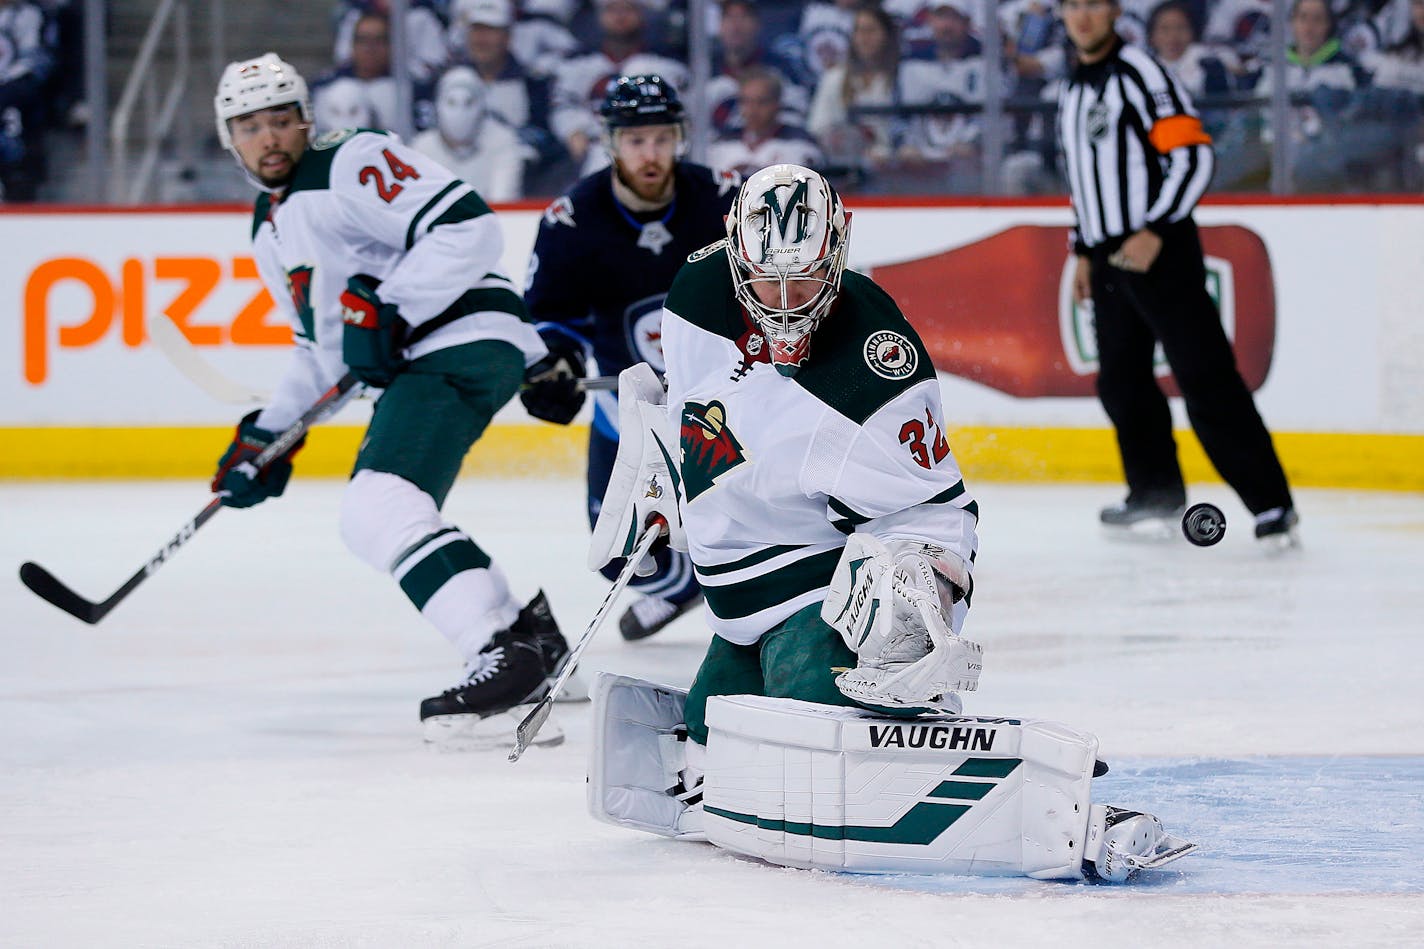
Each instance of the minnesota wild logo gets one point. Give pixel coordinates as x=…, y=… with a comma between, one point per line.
x=709, y=449
x=299, y=287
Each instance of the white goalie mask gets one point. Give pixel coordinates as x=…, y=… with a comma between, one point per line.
x=459, y=105
x=256, y=84
x=787, y=235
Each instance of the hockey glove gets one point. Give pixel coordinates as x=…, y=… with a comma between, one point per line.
x=551, y=391
x=371, y=333
x=241, y=484
x=644, y=482
x=886, y=604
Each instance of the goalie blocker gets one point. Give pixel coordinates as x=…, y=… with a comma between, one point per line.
x=814, y=786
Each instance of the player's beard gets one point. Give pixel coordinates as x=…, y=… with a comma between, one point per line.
x=280, y=179
x=655, y=192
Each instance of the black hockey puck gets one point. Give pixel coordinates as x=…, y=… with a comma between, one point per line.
x=1204, y=524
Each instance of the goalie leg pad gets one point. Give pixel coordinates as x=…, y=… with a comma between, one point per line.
x=806, y=785
x=639, y=763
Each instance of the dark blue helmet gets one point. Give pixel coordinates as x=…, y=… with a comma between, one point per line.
x=640, y=100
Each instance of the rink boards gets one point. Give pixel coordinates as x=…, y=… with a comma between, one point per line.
x=1320, y=299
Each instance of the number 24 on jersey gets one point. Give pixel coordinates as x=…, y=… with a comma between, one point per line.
x=400, y=171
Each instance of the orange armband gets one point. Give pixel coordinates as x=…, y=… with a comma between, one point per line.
x=1176, y=131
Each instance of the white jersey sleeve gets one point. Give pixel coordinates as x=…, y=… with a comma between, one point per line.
x=899, y=478
x=447, y=237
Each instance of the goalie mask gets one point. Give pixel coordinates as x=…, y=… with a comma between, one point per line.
x=786, y=237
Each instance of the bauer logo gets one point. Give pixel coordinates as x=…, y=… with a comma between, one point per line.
x=936, y=737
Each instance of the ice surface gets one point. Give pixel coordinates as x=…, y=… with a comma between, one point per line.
x=233, y=758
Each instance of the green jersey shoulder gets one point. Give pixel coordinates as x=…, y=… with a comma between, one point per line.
x=864, y=353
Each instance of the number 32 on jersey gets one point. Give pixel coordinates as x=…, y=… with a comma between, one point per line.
x=913, y=435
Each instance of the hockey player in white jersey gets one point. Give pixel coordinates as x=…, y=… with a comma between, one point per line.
x=799, y=455
x=388, y=267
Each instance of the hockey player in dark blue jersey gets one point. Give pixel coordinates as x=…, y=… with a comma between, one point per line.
x=606, y=254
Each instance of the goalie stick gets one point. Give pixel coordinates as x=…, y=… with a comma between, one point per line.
x=524, y=734
x=49, y=588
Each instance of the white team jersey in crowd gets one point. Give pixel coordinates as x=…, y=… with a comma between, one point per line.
x=776, y=471
x=363, y=203
x=788, y=145
x=494, y=167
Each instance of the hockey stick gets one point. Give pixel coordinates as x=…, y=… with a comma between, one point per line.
x=524, y=734
x=49, y=588
x=184, y=356
x=598, y=384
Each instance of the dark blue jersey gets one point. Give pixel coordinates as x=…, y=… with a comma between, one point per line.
x=602, y=271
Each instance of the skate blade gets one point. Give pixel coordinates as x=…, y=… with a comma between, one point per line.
x=1169, y=849
x=1279, y=545
x=473, y=733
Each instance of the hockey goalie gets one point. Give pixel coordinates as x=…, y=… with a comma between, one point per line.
x=799, y=455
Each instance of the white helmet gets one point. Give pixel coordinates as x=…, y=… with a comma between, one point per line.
x=787, y=226
x=459, y=105
x=256, y=84
x=343, y=104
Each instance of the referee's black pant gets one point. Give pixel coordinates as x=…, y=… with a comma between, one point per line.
x=1170, y=304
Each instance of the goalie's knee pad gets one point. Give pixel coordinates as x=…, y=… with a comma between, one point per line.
x=806, y=785
x=641, y=774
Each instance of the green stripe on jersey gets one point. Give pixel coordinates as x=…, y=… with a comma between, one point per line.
x=426, y=209
x=436, y=569
x=740, y=600
x=750, y=560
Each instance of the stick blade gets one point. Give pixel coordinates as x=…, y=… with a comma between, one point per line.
x=47, y=587
x=524, y=734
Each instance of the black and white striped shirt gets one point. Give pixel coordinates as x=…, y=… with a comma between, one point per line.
x=1134, y=150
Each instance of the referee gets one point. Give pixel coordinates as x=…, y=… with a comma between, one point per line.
x=1137, y=162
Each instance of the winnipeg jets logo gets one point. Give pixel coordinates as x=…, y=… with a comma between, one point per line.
x=890, y=355
x=654, y=237
x=728, y=179
x=560, y=212
x=709, y=449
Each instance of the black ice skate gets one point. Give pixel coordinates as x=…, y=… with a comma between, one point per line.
x=652, y=614
x=1276, y=527
x=514, y=669
x=1149, y=511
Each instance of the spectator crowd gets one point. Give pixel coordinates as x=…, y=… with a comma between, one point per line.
x=884, y=97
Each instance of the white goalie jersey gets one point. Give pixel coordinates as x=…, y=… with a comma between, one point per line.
x=776, y=472
x=361, y=202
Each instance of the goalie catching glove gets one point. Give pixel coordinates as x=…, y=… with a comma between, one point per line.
x=896, y=607
x=644, y=484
